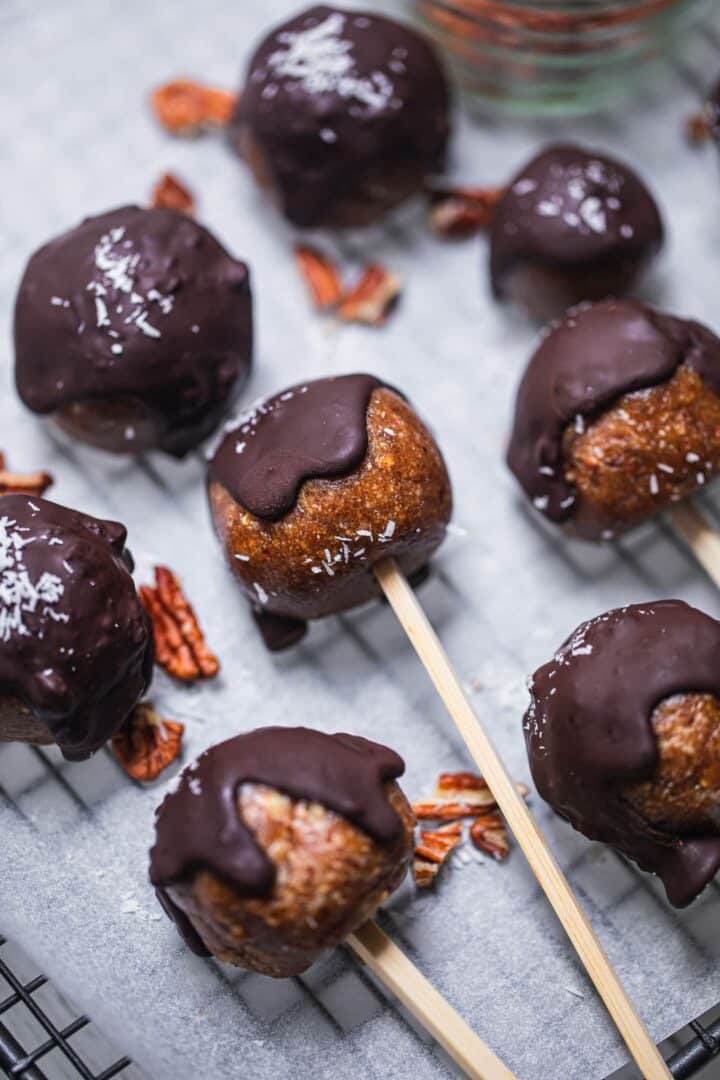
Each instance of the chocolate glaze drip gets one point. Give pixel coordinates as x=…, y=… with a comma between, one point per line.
x=75, y=642
x=139, y=304
x=198, y=825
x=589, y=732
x=573, y=208
x=361, y=99
x=593, y=356
x=316, y=429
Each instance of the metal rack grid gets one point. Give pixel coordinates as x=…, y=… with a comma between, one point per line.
x=345, y=997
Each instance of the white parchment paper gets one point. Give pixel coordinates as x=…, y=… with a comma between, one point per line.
x=78, y=138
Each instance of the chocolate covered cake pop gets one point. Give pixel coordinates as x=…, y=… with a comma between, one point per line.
x=342, y=116
x=623, y=737
x=133, y=331
x=316, y=484
x=617, y=416
x=76, y=648
x=572, y=225
x=277, y=844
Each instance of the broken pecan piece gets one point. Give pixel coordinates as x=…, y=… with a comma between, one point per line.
x=184, y=107
x=171, y=194
x=489, y=834
x=146, y=744
x=373, y=298
x=22, y=483
x=456, y=213
x=321, y=277
x=698, y=128
x=179, y=642
x=434, y=848
x=459, y=795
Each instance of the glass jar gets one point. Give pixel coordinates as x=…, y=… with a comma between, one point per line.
x=558, y=57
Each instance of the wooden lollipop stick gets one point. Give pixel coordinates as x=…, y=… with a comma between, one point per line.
x=551, y=878
x=699, y=535
x=403, y=979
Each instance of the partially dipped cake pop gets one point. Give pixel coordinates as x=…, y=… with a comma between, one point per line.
x=133, y=331
x=316, y=484
x=572, y=225
x=623, y=737
x=277, y=844
x=342, y=117
x=76, y=648
x=617, y=417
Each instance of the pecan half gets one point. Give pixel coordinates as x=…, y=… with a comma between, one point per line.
x=179, y=642
x=321, y=277
x=457, y=212
x=171, y=194
x=184, y=107
x=147, y=744
x=432, y=851
x=22, y=483
x=373, y=298
x=489, y=834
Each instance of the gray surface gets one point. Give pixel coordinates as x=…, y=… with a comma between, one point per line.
x=73, y=890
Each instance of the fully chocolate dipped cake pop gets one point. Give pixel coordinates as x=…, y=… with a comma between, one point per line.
x=133, y=331
x=76, y=648
x=277, y=844
x=315, y=485
x=623, y=736
x=617, y=416
x=572, y=225
x=342, y=116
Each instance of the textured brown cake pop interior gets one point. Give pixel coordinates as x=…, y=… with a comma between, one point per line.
x=114, y=424
x=378, y=191
x=684, y=795
x=546, y=292
x=317, y=559
x=652, y=448
x=18, y=723
x=330, y=878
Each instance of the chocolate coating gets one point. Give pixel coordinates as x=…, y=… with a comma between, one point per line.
x=312, y=430
x=582, y=368
x=572, y=225
x=134, y=331
x=342, y=116
x=589, y=731
x=372, y=484
x=75, y=643
x=199, y=827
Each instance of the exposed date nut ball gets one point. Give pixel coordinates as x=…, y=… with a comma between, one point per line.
x=617, y=417
x=342, y=116
x=623, y=737
x=313, y=487
x=279, y=843
x=76, y=649
x=133, y=331
x=573, y=225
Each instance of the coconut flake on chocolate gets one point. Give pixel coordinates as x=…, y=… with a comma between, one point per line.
x=589, y=732
x=141, y=305
x=75, y=644
x=585, y=362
